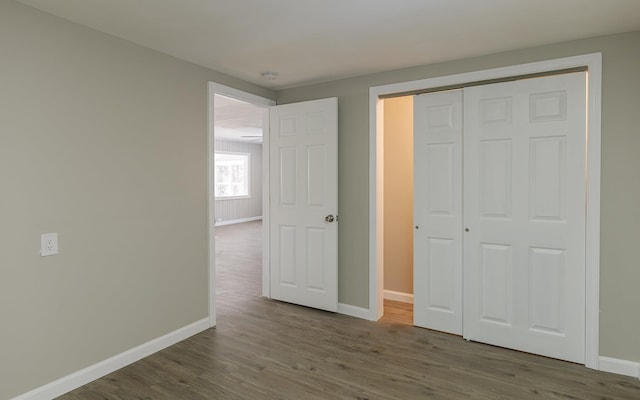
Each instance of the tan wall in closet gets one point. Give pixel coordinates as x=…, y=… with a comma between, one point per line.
x=398, y=194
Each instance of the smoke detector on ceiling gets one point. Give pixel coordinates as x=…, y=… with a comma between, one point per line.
x=270, y=75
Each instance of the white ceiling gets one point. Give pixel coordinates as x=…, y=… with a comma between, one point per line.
x=309, y=41
x=237, y=120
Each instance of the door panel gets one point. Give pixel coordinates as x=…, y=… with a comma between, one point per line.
x=495, y=178
x=495, y=273
x=524, y=188
x=304, y=178
x=438, y=211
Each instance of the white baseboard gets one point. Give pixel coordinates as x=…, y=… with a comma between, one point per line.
x=617, y=366
x=354, y=311
x=93, y=372
x=398, y=296
x=238, y=221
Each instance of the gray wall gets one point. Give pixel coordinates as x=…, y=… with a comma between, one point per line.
x=233, y=209
x=620, y=214
x=104, y=142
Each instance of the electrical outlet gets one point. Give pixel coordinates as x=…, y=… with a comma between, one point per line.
x=48, y=244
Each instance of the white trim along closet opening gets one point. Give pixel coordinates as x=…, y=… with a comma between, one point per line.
x=499, y=213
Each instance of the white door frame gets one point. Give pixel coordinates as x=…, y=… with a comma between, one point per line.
x=593, y=63
x=213, y=89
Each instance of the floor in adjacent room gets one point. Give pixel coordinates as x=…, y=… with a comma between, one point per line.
x=265, y=349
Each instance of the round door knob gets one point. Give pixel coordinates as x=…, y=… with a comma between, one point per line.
x=466, y=229
x=330, y=218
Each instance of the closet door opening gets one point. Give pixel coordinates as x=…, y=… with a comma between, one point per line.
x=398, y=210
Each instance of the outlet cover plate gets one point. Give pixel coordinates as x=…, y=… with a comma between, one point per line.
x=48, y=244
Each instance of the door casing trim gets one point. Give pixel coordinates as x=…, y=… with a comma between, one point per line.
x=593, y=63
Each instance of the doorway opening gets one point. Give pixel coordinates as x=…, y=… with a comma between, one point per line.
x=238, y=197
x=398, y=210
x=238, y=194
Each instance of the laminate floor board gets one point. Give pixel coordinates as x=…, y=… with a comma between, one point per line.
x=396, y=312
x=265, y=349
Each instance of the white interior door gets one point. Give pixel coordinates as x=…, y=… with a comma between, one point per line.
x=437, y=262
x=524, y=206
x=304, y=203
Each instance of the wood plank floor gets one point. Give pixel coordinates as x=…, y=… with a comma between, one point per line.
x=396, y=312
x=263, y=349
